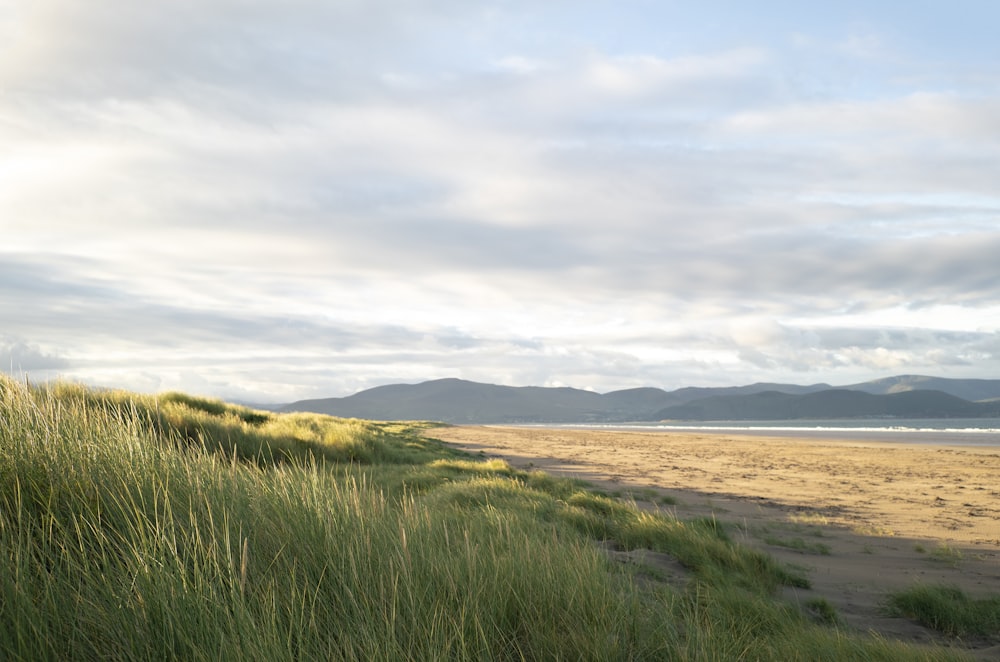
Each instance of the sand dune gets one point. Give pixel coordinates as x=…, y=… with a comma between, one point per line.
x=871, y=517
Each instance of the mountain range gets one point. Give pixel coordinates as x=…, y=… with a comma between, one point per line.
x=461, y=401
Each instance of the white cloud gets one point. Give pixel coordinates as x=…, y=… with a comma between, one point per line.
x=308, y=198
x=18, y=356
x=637, y=76
x=864, y=44
x=518, y=64
x=919, y=117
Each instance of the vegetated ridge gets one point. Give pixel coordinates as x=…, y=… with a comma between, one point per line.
x=143, y=527
x=461, y=401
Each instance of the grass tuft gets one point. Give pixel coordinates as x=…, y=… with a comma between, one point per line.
x=945, y=553
x=798, y=544
x=947, y=609
x=823, y=611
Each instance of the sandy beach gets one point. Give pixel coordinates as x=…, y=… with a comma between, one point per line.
x=863, y=518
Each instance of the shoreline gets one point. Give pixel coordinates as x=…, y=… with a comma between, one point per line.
x=865, y=517
x=951, y=437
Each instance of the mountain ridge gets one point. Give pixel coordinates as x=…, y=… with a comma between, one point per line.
x=454, y=400
x=830, y=404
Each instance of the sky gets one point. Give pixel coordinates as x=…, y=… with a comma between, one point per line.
x=267, y=200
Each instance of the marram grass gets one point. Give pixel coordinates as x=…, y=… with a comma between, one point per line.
x=172, y=527
x=948, y=609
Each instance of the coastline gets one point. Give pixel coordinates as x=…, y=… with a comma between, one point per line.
x=871, y=516
x=905, y=432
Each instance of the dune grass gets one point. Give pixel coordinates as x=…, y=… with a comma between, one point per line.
x=173, y=527
x=948, y=609
x=798, y=544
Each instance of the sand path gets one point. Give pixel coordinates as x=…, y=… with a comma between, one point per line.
x=868, y=517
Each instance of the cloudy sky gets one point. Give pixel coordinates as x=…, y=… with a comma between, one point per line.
x=270, y=200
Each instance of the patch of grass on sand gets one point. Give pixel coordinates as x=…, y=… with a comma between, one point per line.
x=947, y=609
x=945, y=553
x=766, y=535
x=798, y=544
x=814, y=519
x=874, y=530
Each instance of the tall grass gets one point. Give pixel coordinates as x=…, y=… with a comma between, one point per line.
x=948, y=609
x=160, y=528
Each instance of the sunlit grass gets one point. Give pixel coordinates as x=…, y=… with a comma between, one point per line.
x=873, y=530
x=814, y=519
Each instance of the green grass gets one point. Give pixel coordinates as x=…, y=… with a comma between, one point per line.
x=941, y=553
x=948, y=609
x=798, y=544
x=174, y=527
x=945, y=553
x=823, y=611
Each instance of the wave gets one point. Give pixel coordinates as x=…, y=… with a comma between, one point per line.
x=820, y=428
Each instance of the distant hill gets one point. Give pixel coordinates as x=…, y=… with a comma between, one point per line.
x=967, y=389
x=829, y=404
x=461, y=401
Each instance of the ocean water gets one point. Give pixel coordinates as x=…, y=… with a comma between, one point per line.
x=946, y=431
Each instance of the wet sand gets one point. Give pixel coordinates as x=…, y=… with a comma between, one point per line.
x=871, y=517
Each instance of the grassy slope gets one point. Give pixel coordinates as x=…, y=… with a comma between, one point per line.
x=140, y=527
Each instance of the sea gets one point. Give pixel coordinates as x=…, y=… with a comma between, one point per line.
x=944, y=431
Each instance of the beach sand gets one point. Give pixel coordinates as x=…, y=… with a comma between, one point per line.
x=868, y=517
